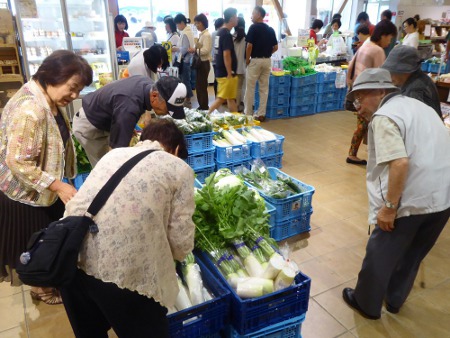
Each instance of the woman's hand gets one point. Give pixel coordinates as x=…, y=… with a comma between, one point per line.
x=65, y=191
x=191, y=50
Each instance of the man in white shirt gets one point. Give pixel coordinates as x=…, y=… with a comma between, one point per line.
x=408, y=184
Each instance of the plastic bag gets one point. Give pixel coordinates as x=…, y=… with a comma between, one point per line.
x=341, y=78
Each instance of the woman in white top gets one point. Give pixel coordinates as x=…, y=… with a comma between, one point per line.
x=239, y=48
x=203, y=48
x=182, y=49
x=126, y=277
x=172, y=35
x=412, y=36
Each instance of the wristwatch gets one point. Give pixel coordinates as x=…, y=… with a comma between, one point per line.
x=389, y=205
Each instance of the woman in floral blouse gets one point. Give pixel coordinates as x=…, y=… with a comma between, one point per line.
x=126, y=275
x=36, y=151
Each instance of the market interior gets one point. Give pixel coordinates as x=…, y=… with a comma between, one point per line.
x=331, y=253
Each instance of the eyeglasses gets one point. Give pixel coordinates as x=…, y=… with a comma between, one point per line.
x=357, y=103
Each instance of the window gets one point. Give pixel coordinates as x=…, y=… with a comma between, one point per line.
x=138, y=12
x=212, y=10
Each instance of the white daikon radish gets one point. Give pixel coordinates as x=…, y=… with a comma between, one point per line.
x=285, y=278
x=171, y=310
x=251, y=264
x=191, y=273
x=276, y=264
x=182, y=302
x=246, y=285
x=206, y=294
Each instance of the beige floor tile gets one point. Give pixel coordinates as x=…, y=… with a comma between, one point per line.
x=323, y=277
x=16, y=332
x=11, y=312
x=47, y=321
x=347, y=335
x=344, y=262
x=320, y=324
x=7, y=290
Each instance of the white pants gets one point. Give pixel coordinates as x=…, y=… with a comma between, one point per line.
x=258, y=70
x=94, y=141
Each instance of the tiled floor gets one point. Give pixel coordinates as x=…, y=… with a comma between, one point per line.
x=331, y=254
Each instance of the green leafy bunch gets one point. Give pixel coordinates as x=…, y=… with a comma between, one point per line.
x=83, y=164
x=224, y=213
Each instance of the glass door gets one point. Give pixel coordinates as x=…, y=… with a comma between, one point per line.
x=89, y=33
x=41, y=29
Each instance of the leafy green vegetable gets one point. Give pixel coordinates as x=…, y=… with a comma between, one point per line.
x=83, y=164
x=297, y=66
x=226, y=212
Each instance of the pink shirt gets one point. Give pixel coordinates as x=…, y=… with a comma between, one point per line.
x=369, y=55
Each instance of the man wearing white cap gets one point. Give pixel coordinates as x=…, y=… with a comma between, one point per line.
x=149, y=27
x=408, y=184
x=109, y=115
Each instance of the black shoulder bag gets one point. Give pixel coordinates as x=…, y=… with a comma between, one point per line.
x=52, y=253
x=348, y=105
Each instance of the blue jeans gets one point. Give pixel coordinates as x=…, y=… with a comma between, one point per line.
x=186, y=78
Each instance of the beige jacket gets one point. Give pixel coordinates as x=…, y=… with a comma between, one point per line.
x=32, y=153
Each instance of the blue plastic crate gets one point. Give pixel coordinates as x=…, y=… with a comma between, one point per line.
x=272, y=211
x=425, y=66
x=79, y=180
x=293, y=206
x=303, y=91
x=303, y=80
x=279, y=80
x=328, y=96
x=276, y=89
x=288, y=228
x=201, y=159
x=197, y=184
x=233, y=165
x=290, y=328
x=273, y=160
x=199, y=142
x=274, y=113
x=250, y=315
x=434, y=67
x=326, y=87
x=205, y=319
x=300, y=100
x=326, y=77
x=342, y=93
x=329, y=106
x=274, y=101
x=267, y=148
x=233, y=153
x=202, y=173
x=303, y=110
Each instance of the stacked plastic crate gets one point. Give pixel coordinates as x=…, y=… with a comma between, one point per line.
x=303, y=95
x=232, y=157
x=277, y=315
x=327, y=94
x=270, y=152
x=278, y=98
x=201, y=154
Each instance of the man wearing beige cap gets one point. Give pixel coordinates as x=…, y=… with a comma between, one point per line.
x=408, y=184
x=404, y=64
x=149, y=28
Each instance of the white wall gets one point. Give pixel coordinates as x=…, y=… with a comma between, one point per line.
x=426, y=11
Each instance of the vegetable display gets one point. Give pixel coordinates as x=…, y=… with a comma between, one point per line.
x=232, y=137
x=258, y=176
x=220, y=120
x=232, y=226
x=297, y=66
x=194, y=123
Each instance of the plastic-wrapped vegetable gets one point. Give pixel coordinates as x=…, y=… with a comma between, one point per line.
x=191, y=274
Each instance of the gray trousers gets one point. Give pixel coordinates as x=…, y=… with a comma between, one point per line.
x=94, y=141
x=393, y=258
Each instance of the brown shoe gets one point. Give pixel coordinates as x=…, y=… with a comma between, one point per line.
x=261, y=118
x=49, y=296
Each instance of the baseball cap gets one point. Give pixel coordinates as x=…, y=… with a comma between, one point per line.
x=402, y=59
x=372, y=78
x=173, y=91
